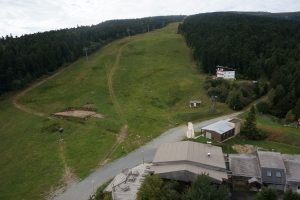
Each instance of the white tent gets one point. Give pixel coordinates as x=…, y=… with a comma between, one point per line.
x=190, y=132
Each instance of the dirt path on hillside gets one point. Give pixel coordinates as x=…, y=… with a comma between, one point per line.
x=120, y=138
x=110, y=75
x=69, y=177
x=16, y=98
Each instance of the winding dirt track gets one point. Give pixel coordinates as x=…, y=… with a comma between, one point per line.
x=110, y=83
x=16, y=98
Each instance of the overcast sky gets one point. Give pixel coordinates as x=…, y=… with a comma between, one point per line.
x=28, y=16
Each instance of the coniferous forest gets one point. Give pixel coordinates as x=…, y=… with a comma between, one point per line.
x=26, y=58
x=258, y=47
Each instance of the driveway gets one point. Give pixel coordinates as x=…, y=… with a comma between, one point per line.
x=83, y=189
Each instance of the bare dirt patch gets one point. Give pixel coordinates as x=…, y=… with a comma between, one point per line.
x=82, y=114
x=247, y=148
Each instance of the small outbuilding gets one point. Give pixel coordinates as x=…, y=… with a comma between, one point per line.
x=222, y=130
x=195, y=103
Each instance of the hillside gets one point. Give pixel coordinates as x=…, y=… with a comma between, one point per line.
x=141, y=84
x=24, y=59
x=258, y=47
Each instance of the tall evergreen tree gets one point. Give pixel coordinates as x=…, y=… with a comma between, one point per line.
x=249, y=129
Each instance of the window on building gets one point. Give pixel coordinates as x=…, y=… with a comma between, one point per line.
x=269, y=173
x=278, y=174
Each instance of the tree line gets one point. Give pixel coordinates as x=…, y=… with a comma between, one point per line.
x=26, y=58
x=258, y=47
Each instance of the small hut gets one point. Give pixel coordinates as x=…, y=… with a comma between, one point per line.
x=195, y=103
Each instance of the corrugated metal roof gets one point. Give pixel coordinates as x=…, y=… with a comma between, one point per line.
x=244, y=165
x=162, y=169
x=190, y=151
x=220, y=127
x=268, y=159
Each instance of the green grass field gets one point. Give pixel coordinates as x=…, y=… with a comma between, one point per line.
x=144, y=81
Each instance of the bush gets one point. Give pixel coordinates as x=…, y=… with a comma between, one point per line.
x=263, y=107
x=202, y=189
x=100, y=194
x=267, y=194
x=290, y=195
x=234, y=100
x=154, y=188
x=290, y=117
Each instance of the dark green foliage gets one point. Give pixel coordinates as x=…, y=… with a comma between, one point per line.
x=249, y=129
x=256, y=46
x=290, y=195
x=154, y=188
x=234, y=100
x=236, y=94
x=296, y=110
x=26, y=58
x=263, y=107
x=267, y=194
x=202, y=189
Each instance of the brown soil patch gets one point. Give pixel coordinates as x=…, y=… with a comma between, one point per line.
x=122, y=134
x=82, y=114
x=246, y=149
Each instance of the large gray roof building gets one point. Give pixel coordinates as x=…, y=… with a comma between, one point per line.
x=185, y=160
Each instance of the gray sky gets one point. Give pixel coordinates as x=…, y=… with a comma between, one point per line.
x=28, y=16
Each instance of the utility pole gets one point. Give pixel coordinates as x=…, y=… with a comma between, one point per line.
x=85, y=49
x=213, y=103
x=148, y=28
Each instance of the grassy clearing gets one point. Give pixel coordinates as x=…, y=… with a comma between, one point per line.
x=280, y=138
x=152, y=82
x=29, y=159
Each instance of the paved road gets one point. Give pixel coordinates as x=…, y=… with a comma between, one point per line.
x=83, y=189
